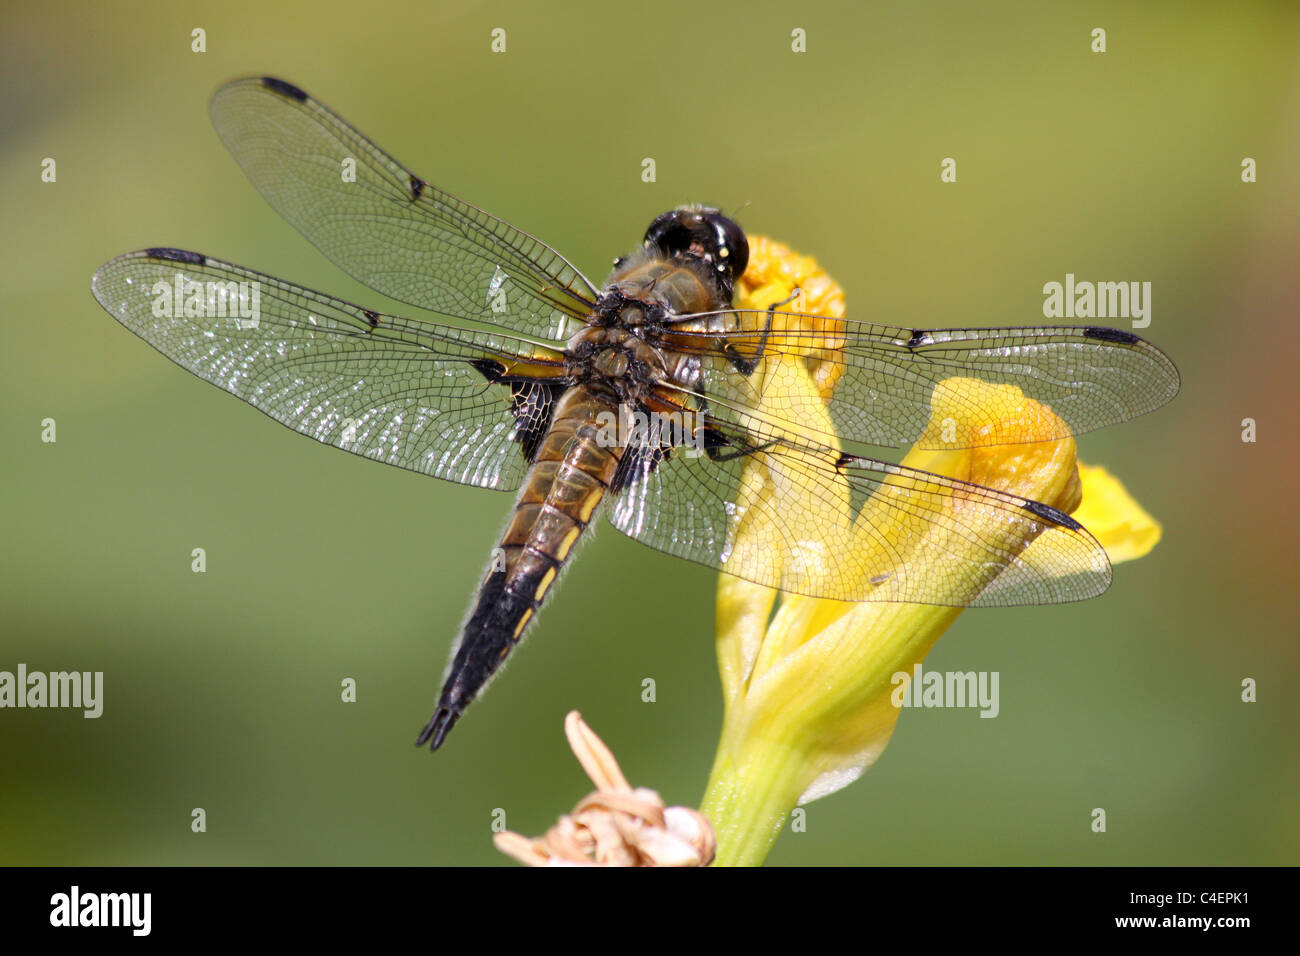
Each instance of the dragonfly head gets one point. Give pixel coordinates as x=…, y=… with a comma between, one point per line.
x=705, y=234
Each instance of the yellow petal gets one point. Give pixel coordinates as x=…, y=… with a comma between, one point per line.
x=966, y=412
x=1123, y=526
x=740, y=621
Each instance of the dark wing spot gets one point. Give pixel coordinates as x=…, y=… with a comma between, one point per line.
x=844, y=461
x=715, y=440
x=920, y=337
x=177, y=255
x=533, y=405
x=284, y=89
x=490, y=369
x=371, y=317
x=416, y=186
x=1048, y=513
x=1118, y=336
x=642, y=459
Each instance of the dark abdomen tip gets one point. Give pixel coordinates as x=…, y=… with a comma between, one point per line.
x=438, y=727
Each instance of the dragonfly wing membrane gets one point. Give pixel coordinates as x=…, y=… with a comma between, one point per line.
x=388, y=227
x=1090, y=377
x=809, y=520
x=410, y=393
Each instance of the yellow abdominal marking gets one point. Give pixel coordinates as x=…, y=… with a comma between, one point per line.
x=544, y=584
x=523, y=622
x=566, y=545
x=589, y=505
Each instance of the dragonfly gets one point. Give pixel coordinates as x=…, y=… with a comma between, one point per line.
x=514, y=378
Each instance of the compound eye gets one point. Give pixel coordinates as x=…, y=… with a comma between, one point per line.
x=666, y=233
x=733, y=247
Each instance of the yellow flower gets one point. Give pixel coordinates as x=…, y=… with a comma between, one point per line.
x=809, y=691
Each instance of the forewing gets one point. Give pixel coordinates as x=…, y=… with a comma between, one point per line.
x=883, y=377
x=388, y=227
x=396, y=390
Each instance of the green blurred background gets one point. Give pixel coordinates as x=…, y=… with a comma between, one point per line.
x=222, y=689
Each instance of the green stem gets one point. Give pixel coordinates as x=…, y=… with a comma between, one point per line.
x=748, y=801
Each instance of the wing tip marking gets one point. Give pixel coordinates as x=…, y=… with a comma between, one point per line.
x=285, y=89
x=1104, y=334
x=1048, y=513
x=177, y=255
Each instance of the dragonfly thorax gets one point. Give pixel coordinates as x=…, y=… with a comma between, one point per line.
x=666, y=287
x=615, y=361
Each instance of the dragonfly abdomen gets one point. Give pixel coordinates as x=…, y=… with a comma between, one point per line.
x=566, y=483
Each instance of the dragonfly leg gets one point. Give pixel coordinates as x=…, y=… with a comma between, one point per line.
x=746, y=366
x=715, y=440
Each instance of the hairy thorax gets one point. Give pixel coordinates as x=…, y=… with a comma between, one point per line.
x=619, y=353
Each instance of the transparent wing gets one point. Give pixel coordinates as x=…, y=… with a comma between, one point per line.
x=406, y=392
x=386, y=226
x=883, y=377
x=809, y=520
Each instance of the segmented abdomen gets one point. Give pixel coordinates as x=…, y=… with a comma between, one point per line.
x=567, y=481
